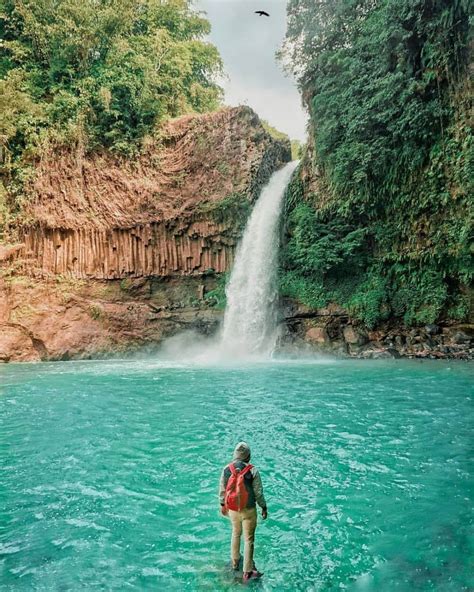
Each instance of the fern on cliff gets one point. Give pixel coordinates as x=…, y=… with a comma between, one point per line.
x=387, y=89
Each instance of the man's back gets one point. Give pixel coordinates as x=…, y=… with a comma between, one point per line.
x=244, y=515
x=252, y=481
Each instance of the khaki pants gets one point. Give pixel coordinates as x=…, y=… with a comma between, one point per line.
x=246, y=521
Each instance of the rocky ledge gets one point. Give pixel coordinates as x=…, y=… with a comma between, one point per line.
x=332, y=331
x=62, y=319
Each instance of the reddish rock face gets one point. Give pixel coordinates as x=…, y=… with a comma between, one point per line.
x=171, y=217
x=61, y=319
x=176, y=209
x=153, y=249
x=16, y=344
x=317, y=335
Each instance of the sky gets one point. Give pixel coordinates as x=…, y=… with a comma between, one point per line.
x=247, y=44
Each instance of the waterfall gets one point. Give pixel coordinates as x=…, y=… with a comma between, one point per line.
x=250, y=321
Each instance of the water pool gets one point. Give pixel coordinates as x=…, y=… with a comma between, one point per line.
x=110, y=473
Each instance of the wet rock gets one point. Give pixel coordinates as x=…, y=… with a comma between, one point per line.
x=4, y=358
x=461, y=337
x=382, y=354
x=375, y=352
x=399, y=340
x=354, y=336
x=317, y=335
x=339, y=348
x=432, y=329
x=458, y=334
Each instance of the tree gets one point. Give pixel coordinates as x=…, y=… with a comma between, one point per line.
x=105, y=71
x=386, y=84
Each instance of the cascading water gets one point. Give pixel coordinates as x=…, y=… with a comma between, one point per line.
x=250, y=321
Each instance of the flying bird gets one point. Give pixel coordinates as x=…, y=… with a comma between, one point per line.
x=261, y=13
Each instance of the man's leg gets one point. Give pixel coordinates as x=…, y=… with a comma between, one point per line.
x=249, y=524
x=236, y=521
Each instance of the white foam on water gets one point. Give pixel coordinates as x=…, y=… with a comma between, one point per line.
x=250, y=328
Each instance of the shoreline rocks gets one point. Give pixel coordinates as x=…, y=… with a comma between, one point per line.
x=331, y=331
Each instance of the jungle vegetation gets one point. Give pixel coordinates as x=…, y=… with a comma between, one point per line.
x=380, y=221
x=96, y=74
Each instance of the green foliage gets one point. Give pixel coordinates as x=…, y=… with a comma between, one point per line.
x=297, y=149
x=274, y=133
x=322, y=246
x=217, y=297
x=305, y=289
x=377, y=77
x=389, y=102
x=296, y=145
x=369, y=302
x=98, y=74
x=235, y=206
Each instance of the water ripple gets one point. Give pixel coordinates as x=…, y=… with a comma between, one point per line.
x=111, y=471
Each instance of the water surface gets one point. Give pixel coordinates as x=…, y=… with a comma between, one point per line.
x=110, y=470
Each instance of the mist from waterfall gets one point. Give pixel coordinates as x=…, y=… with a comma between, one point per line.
x=251, y=315
x=250, y=329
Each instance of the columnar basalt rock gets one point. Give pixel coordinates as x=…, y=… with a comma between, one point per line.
x=115, y=255
x=151, y=249
x=170, y=211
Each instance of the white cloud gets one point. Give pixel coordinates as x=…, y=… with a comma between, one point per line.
x=248, y=44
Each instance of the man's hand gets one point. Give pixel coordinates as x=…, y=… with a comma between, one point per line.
x=264, y=513
x=224, y=511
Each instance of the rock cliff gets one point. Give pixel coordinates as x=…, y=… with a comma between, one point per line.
x=334, y=328
x=169, y=211
x=116, y=254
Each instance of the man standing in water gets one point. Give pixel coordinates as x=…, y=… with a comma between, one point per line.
x=240, y=489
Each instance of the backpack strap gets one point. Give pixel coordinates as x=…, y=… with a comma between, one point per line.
x=246, y=469
x=235, y=471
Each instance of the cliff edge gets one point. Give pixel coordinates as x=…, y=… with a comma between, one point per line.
x=115, y=254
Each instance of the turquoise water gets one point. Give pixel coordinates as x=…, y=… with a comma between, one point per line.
x=110, y=471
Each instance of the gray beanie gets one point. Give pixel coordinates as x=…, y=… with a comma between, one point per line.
x=242, y=451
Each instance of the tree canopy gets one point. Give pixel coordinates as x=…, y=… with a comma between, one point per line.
x=386, y=85
x=101, y=72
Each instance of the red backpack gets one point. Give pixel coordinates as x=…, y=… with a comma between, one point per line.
x=236, y=496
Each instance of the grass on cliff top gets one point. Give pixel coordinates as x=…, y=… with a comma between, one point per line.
x=296, y=146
